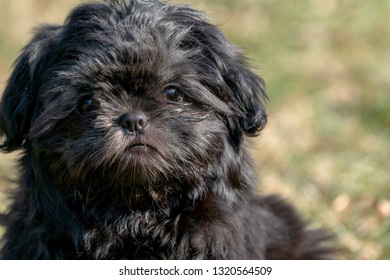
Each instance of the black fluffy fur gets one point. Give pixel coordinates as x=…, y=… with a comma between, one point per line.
x=131, y=119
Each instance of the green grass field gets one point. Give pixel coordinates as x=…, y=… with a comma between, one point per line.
x=327, y=67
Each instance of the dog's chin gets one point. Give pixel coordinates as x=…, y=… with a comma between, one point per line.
x=155, y=168
x=141, y=162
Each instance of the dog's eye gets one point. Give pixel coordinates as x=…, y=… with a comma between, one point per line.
x=85, y=104
x=173, y=95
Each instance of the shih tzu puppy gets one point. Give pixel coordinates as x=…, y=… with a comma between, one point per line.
x=131, y=119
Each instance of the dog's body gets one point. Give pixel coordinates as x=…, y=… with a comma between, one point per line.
x=131, y=118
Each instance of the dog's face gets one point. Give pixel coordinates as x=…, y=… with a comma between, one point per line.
x=138, y=93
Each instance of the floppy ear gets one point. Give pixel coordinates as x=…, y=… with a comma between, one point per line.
x=227, y=74
x=247, y=95
x=19, y=100
x=241, y=88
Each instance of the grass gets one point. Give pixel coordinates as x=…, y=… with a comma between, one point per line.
x=326, y=64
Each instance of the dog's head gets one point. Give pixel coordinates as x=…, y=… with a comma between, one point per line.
x=140, y=88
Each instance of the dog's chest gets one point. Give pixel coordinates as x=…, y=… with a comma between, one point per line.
x=141, y=235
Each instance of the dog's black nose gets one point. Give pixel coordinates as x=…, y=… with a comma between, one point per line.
x=133, y=122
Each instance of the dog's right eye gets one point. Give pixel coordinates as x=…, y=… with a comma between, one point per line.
x=173, y=94
x=85, y=104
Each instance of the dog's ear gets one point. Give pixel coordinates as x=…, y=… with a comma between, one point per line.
x=228, y=75
x=19, y=99
x=241, y=88
x=246, y=95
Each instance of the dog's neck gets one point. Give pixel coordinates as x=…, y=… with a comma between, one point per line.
x=169, y=195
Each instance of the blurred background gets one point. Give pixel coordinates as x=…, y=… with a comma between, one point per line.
x=327, y=67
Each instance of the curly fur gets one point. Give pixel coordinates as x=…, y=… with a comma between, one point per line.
x=176, y=183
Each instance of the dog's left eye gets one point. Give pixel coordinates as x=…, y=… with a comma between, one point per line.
x=173, y=95
x=85, y=104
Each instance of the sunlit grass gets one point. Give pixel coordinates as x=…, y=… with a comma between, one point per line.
x=326, y=64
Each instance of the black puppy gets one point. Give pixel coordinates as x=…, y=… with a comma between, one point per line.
x=131, y=120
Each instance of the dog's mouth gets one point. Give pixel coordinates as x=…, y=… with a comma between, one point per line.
x=138, y=145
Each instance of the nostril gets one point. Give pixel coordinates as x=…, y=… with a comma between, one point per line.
x=133, y=122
